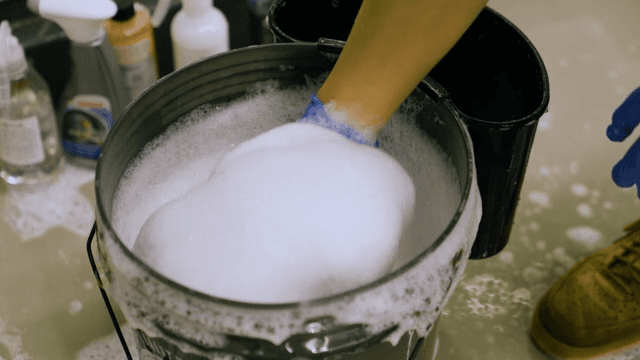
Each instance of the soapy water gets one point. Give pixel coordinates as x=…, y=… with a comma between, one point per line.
x=298, y=202
x=32, y=210
x=11, y=344
x=187, y=153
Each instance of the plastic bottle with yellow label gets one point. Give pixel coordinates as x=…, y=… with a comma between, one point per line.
x=131, y=36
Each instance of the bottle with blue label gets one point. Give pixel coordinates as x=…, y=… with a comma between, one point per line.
x=96, y=94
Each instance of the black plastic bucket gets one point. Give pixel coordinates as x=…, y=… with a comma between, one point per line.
x=495, y=79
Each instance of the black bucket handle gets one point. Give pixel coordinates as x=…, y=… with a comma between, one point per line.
x=112, y=315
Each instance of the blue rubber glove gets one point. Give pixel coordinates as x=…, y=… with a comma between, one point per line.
x=316, y=114
x=626, y=172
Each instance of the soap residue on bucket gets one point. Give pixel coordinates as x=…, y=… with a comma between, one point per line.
x=405, y=300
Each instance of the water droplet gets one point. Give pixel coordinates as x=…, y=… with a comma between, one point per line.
x=612, y=74
x=607, y=205
x=75, y=307
x=619, y=89
x=585, y=235
x=541, y=245
x=534, y=226
x=545, y=121
x=584, y=210
x=539, y=198
x=579, y=189
x=88, y=285
x=506, y=256
x=532, y=275
x=563, y=62
x=497, y=328
x=544, y=170
x=573, y=167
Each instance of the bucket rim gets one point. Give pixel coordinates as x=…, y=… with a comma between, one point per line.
x=542, y=108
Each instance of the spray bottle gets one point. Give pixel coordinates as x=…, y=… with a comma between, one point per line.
x=96, y=94
x=29, y=143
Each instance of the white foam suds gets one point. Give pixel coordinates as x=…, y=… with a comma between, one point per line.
x=585, y=235
x=75, y=307
x=584, y=210
x=31, y=211
x=12, y=342
x=545, y=121
x=544, y=170
x=169, y=169
x=490, y=296
x=188, y=152
x=539, y=198
x=506, y=256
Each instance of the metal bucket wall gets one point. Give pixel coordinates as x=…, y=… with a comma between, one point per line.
x=495, y=79
x=168, y=318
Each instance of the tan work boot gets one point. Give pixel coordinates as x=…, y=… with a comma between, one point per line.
x=594, y=309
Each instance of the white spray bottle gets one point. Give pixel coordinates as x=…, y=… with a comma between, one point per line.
x=198, y=30
x=95, y=96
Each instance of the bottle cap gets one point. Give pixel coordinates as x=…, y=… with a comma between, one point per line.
x=12, y=60
x=125, y=10
x=12, y=66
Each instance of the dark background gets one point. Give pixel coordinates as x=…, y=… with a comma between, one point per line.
x=47, y=47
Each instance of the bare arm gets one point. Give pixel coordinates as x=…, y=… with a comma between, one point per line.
x=392, y=46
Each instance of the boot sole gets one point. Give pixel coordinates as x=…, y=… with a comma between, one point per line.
x=557, y=349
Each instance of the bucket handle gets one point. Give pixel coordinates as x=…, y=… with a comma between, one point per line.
x=104, y=294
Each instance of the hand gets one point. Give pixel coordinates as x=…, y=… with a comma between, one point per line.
x=626, y=172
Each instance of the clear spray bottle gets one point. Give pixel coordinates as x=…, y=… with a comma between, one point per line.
x=96, y=94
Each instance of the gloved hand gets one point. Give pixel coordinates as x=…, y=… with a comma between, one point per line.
x=626, y=172
x=317, y=115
